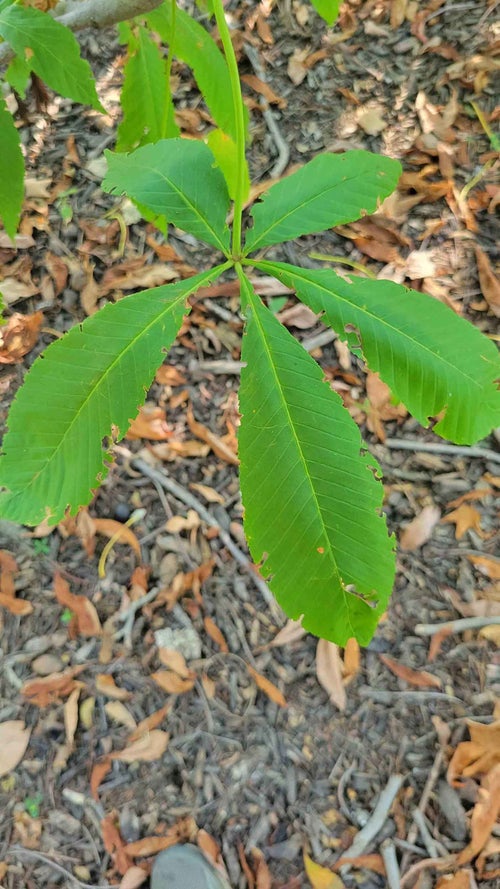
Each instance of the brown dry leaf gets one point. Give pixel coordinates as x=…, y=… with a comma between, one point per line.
x=269, y=689
x=106, y=685
x=398, y=12
x=329, y=672
x=352, y=660
x=492, y=849
x=148, y=748
x=151, y=722
x=119, y=713
x=460, y=880
x=291, y=632
x=90, y=292
x=150, y=846
x=150, y=423
x=491, y=633
x=296, y=68
x=477, y=756
x=484, y=816
x=172, y=683
x=49, y=689
x=133, y=878
x=371, y=861
x=97, y=776
x=111, y=528
x=490, y=284
x=133, y=273
x=113, y=843
x=14, y=290
x=14, y=739
x=263, y=879
x=299, y=316
x=27, y=830
x=420, y=264
x=8, y=600
x=175, y=661
x=321, y=877
x=464, y=518
x=168, y=375
x=486, y=565
x=420, y=529
x=71, y=716
x=381, y=407
x=18, y=336
x=86, y=617
x=210, y=494
x=215, y=634
x=371, y=121
x=264, y=89
x=218, y=446
x=420, y=678
x=175, y=449
x=178, y=523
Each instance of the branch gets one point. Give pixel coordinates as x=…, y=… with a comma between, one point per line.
x=93, y=14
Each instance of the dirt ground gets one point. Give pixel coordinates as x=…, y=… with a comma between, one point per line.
x=259, y=774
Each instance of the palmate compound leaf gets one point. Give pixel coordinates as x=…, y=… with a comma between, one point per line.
x=329, y=190
x=94, y=377
x=312, y=502
x=52, y=51
x=175, y=178
x=432, y=360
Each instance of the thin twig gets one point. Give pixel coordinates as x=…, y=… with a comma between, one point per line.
x=376, y=822
x=457, y=626
x=127, y=616
x=272, y=126
x=424, y=800
x=389, y=856
x=38, y=856
x=186, y=497
x=415, y=869
x=433, y=847
x=435, y=447
x=388, y=697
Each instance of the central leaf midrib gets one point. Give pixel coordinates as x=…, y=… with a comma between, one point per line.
x=300, y=452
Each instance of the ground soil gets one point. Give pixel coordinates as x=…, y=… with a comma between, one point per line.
x=251, y=773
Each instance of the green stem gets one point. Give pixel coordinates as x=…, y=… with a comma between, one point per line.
x=168, y=73
x=240, y=124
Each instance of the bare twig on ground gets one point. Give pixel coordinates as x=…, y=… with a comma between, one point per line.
x=377, y=820
x=389, y=856
x=412, y=872
x=433, y=847
x=435, y=447
x=388, y=697
x=186, y=497
x=281, y=145
x=127, y=617
x=18, y=851
x=457, y=626
x=422, y=806
x=94, y=14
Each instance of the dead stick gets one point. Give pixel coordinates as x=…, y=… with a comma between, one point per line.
x=376, y=822
x=457, y=626
x=435, y=447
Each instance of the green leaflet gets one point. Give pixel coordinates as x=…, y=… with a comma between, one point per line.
x=312, y=501
x=327, y=9
x=143, y=95
x=432, y=360
x=175, y=178
x=11, y=171
x=54, y=52
x=330, y=190
x=95, y=376
x=195, y=46
x=224, y=151
x=17, y=75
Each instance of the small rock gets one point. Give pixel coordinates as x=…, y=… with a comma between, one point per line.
x=46, y=664
x=184, y=640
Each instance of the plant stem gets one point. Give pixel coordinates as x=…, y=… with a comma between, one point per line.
x=239, y=121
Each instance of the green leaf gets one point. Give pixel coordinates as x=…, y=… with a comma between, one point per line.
x=194, y=45
x=17, y=75
x=93, y=377
x=431, y=359
x=225, y=153
x=11, y=171
x=327, y=9
x=330, y=190
x=312, y=502
x=177, y=178
x=53, y=52
x=143, y=95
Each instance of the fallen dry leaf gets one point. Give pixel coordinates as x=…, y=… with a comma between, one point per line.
x=133, y=878
x=123, y=534
x=8, y=572
x=460, y=880
x=371, y=861
x=269, y=689
x=167, y=375
x=486, y=565
x=420, y=678
x=150, y=846
x=180, y=523
x=14, y=290
x=119, y=713
x=263, y=88
x=217, y=444
x=420, y=529
x=172, y=683
x=149, y=748
x=86, y=617
x=371, y=121
x=18, y=336
x=321, y=877
x=175, y=660
x=42, y=692
x=19, y=607
x=352, y=660
x=464, y=518
x=14, y=739
x=291, y=632
x=329, y=672
x=113, y=843
x=299, y=316
x=150, y=722
x=71, y=716
x=477, y=756
x=490, y=284
x=484, y=816
x=97, y=776
x=215, y=634
x=106, y=685
x=150, y=423
x=210, y=494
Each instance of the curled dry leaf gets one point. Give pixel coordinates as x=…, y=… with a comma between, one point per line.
x=111, y=528
x=86, y=617
x=484, y=816
x=151, y=722
x=220, y=448
x=477, y=756
x=113, y=843
x=178, y=523
x=43, y=692
x=172, y=683
x=97, y=776
x=420, y=529
x=14, y=739
x=215, y=634
x=329, y=672
x=175, y=661
x=106, y=685
x=119, y=713
x=291, y=632
x=464, y=518
x=149, y=748
x=150, y=423
x=269, y=689
x=133, y=878
x=490, y=284
x=18, y=336
x=8, y=572
x=486, y=565
x=420, y=678
x=321, y=877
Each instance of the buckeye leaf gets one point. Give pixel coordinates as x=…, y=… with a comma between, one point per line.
x=176, y=178
x=312, y=502
x=330, y=190
x=94, y=377
x=327, y=9
x=432, y=360
x=53, y=51
x=11, y=171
